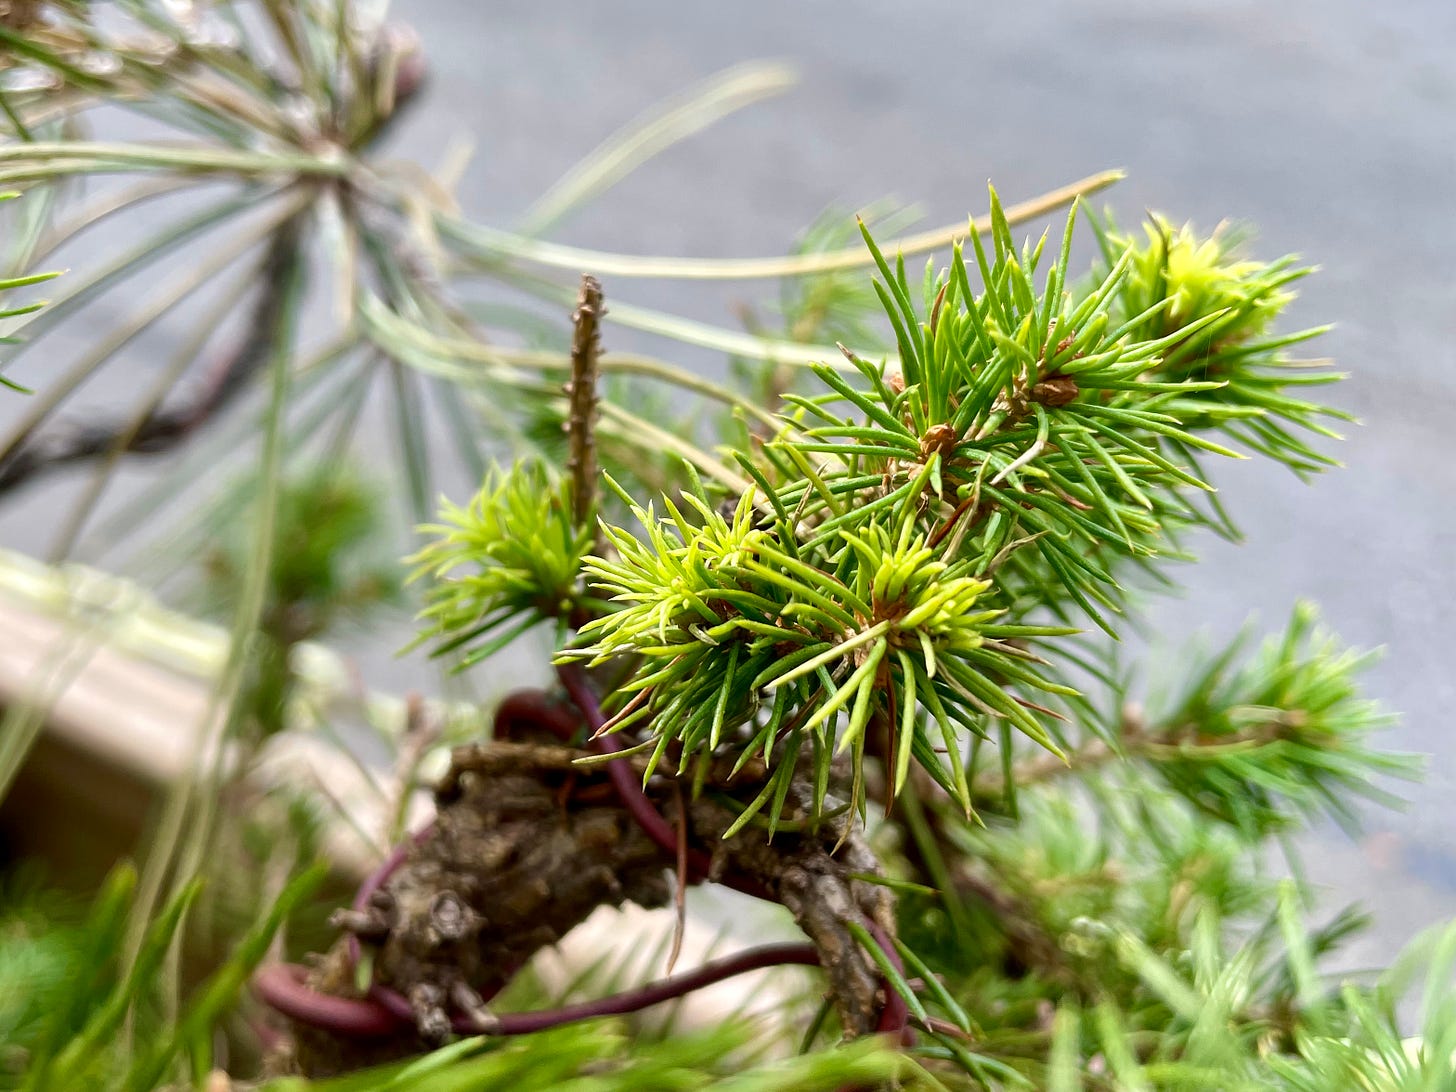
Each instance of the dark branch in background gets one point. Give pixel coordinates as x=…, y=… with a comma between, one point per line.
x=397, y=69
x=163, y=429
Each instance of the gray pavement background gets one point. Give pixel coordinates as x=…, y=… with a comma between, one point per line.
x=1328, y=124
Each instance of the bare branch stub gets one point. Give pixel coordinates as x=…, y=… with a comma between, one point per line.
x=581, y=393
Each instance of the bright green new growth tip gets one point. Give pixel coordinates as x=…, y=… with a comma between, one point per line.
x=914, y=542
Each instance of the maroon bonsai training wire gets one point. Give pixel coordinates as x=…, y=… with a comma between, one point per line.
x=624, y=778
x=754, y=959
x=894, y=1016
x=282, y=987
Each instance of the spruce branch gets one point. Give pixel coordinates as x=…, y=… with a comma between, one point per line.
x=1029, y=435
x=1257, y=744
x=501, y=565
x=866, y=587
x=726, y=622
x=1284, y=736
x=1179, y=279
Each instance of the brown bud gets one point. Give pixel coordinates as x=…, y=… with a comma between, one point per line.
x=1055, y=390
x=940, y=438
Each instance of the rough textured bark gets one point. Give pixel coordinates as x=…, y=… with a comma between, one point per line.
x=526, y=845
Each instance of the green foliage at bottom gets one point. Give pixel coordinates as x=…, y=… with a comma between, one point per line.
x=606, y=1057
x=106, y=1020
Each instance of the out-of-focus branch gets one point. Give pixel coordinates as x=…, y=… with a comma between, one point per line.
x=164, y=428
x=393, y=76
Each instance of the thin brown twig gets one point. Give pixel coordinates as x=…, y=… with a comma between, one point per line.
x=938, y=535
x=1136, y=740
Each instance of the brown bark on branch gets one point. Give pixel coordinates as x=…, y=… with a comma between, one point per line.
x=527, y=844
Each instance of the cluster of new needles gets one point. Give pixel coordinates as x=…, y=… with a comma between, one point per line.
x=854, y=601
